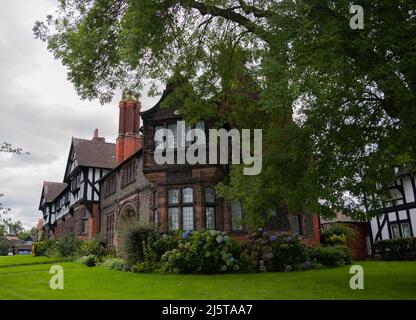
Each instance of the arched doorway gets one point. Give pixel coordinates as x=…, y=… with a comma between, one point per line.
x=126, y=217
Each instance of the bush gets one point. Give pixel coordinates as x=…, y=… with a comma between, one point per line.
x=116, y=264
x=131, y=241
x=397, y=249
x=275, y=252
x=201, y=252
x=337, y=234
x=65, y=247
x=90, y=260
x=91, y=247
x=41, y=248
x=331, y=256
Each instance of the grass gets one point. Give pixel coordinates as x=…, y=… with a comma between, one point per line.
x=21, y=260
x=383, y=280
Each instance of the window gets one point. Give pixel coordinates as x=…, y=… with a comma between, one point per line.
x=187, y=195
x=296, y=224
x=180, y=202
x=172, y=140
x=209, y=208
x=110, y=229
x=110, y=185
x=236, y=216
x=129, y=173
x=84, y=222
x=188, y=218
x=158, y=142
x=395, y=233
x=173, y=196
x=173, y=218
x=76, y=182
x=155, y=211
x=406, y=229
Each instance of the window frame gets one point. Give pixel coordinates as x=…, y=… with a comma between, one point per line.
x=210, y=205
x=241, y=229
x=165, y=125
x=180, y=205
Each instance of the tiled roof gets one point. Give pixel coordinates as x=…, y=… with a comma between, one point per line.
x=98, y=154
x=52, y=190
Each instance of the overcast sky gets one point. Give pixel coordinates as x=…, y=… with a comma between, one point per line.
x=40, y=110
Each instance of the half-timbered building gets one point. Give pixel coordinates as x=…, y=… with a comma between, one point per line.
x=73, y=206
x=397, y=218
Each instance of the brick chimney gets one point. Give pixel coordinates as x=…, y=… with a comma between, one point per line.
x=96, y=138
x=129, y=140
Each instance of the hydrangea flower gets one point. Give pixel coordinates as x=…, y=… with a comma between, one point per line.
x=307, y=265
x=219, y=239
x=186, y=234
x=273, y=238
x=289, y=239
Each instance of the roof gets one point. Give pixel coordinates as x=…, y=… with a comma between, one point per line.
x=97, y=154
x=121, y=164
x=52, y=190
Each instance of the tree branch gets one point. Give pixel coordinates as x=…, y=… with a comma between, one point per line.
x=229, y=15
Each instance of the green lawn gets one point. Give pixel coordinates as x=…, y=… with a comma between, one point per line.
x=383, y=280
x=21, y=260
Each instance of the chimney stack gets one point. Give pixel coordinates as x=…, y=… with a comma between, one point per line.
x=129, y=140
x=96, y=138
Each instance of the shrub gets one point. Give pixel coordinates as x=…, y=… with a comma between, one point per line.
x=275, y=252
x=91, y=247
x=331, y=256
x=131, y=241
x=41, y=248
x=65, y=247
x=90, y=260
x=337, y=234
x=201, y=252
x=116, y=264
x=397, y=249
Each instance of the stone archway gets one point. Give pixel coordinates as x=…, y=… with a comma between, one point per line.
x=127, y=215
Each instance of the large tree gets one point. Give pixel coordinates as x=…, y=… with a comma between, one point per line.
x=336, y=105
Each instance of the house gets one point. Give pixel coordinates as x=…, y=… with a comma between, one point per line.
x=105, y=185
x=397, y=218
x=73, y=206
x=172, y=196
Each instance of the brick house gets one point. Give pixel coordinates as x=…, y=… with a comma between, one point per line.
x=174, y=196
x=116, y=182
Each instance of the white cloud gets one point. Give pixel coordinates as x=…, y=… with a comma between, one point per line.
x=39, y=110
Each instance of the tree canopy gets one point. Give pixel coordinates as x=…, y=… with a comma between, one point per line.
x=336, y=105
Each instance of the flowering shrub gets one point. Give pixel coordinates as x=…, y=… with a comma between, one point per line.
x=201, y=252
x=275, y=252
x=337, y=234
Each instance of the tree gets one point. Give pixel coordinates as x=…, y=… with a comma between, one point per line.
x=336, y=105
x=13, y=227
x=23, y=235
